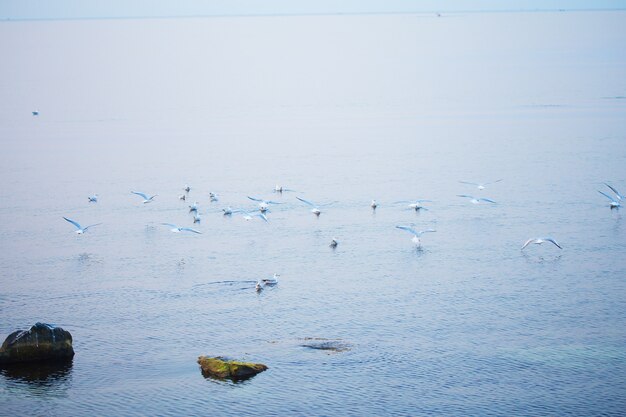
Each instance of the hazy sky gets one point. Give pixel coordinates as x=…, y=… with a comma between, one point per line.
x=59, y=9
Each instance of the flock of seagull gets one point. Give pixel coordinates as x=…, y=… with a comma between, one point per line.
x=263, y=208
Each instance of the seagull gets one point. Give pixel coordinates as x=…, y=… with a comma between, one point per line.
x=213, y=197
x=194, y=207
x=476, y=200
x=177, y=229
x=540, y=240
x=187, y=188
x=315, y=210
x=271, y=281
x=248, y=215
x=416, y=204
x=280, y=189
x=263, y=204
x=146, y=199
x=258, y=287
x=79, y=229
x=373, y=204
x=228, y=211
x=615, y=203
x=93, y=198
x=334, y=243
x=182, y=197
x=416, y=234
x=480, y=185
x=196, y=217
x=35, y=113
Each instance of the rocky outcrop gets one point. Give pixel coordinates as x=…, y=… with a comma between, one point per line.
x=42, y=342
x=220, y=367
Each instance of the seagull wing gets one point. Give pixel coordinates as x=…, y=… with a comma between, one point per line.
x=487, y=200
x=421, y=232
x=189, y=229
x=170, y=225
x=470, y=183
x=73, y=222
x=528, y=242
x=261, y=215
x=255, y=199
x=145, y=197
x=615, y=191
x=305, y=201
x=607, y=196
x=549, y=239
x=153, y=197
x=464, y=195
x=408, y=229
x=92, y=225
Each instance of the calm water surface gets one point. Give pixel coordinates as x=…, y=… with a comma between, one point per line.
x=340, y=108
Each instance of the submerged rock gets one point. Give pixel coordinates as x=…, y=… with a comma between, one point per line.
x=220, y=367
x=326, y=344
x=41, y=342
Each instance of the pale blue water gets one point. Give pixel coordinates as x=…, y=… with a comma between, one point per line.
x=340, y=108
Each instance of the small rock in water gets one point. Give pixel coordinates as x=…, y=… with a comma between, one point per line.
x=220, y=367
x=41, y=342
x=326, y=344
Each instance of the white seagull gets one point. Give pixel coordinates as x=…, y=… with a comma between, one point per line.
x=196, y=217
x=228, y=211
x=316, y=207
x=194, y=207
x=540, y=240
x=79, y=229
x=177, y=229
x=213, y=197
x=480, y=185
x=476, y=200
x=182, y=197
x=373, y=204
x=248, y=215
x=416, y=204
x=334, y=243
x=258, y=287
x=93, y=198
x=615, y=203
x=263, y=204
x=146, y=199
x=271, y=281
x=416, y=234
x=187, y=188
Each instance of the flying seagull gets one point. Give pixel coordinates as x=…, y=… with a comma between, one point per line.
x=249, y=215
x=79, y=229
x=177, y=229
x=416, y=234
x=540, y=240
x=615, y=203
x=146, y=199
x=263, y=204
x=316, y=207
x=480, y=185
x=476, y=200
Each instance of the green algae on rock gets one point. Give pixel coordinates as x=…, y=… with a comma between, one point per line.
x=41, y=342
x=220, y=367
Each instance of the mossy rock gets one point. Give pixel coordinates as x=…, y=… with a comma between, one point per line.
x=220, y=367
x=42, y=342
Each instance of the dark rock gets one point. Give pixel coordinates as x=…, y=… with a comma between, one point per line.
x=220, y=367
x=326, y=344
x=41, y=342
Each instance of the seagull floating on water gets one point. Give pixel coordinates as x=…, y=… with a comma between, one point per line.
x=271, y=281
x=540, y=240
x=476, y=200
x=93, y=198
x=213, y=197
x=259, y=286
x=228, y=211
x=416, y=234
x=416, y=204
x=196, y=217
x=177, y=229
x=79, y=229
x=263, y=204
x=194, y=207
x=334, y=243
x=146, y=199
x=182, y=197
x=187, y=188
x=480, y=185
x=373, y=204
